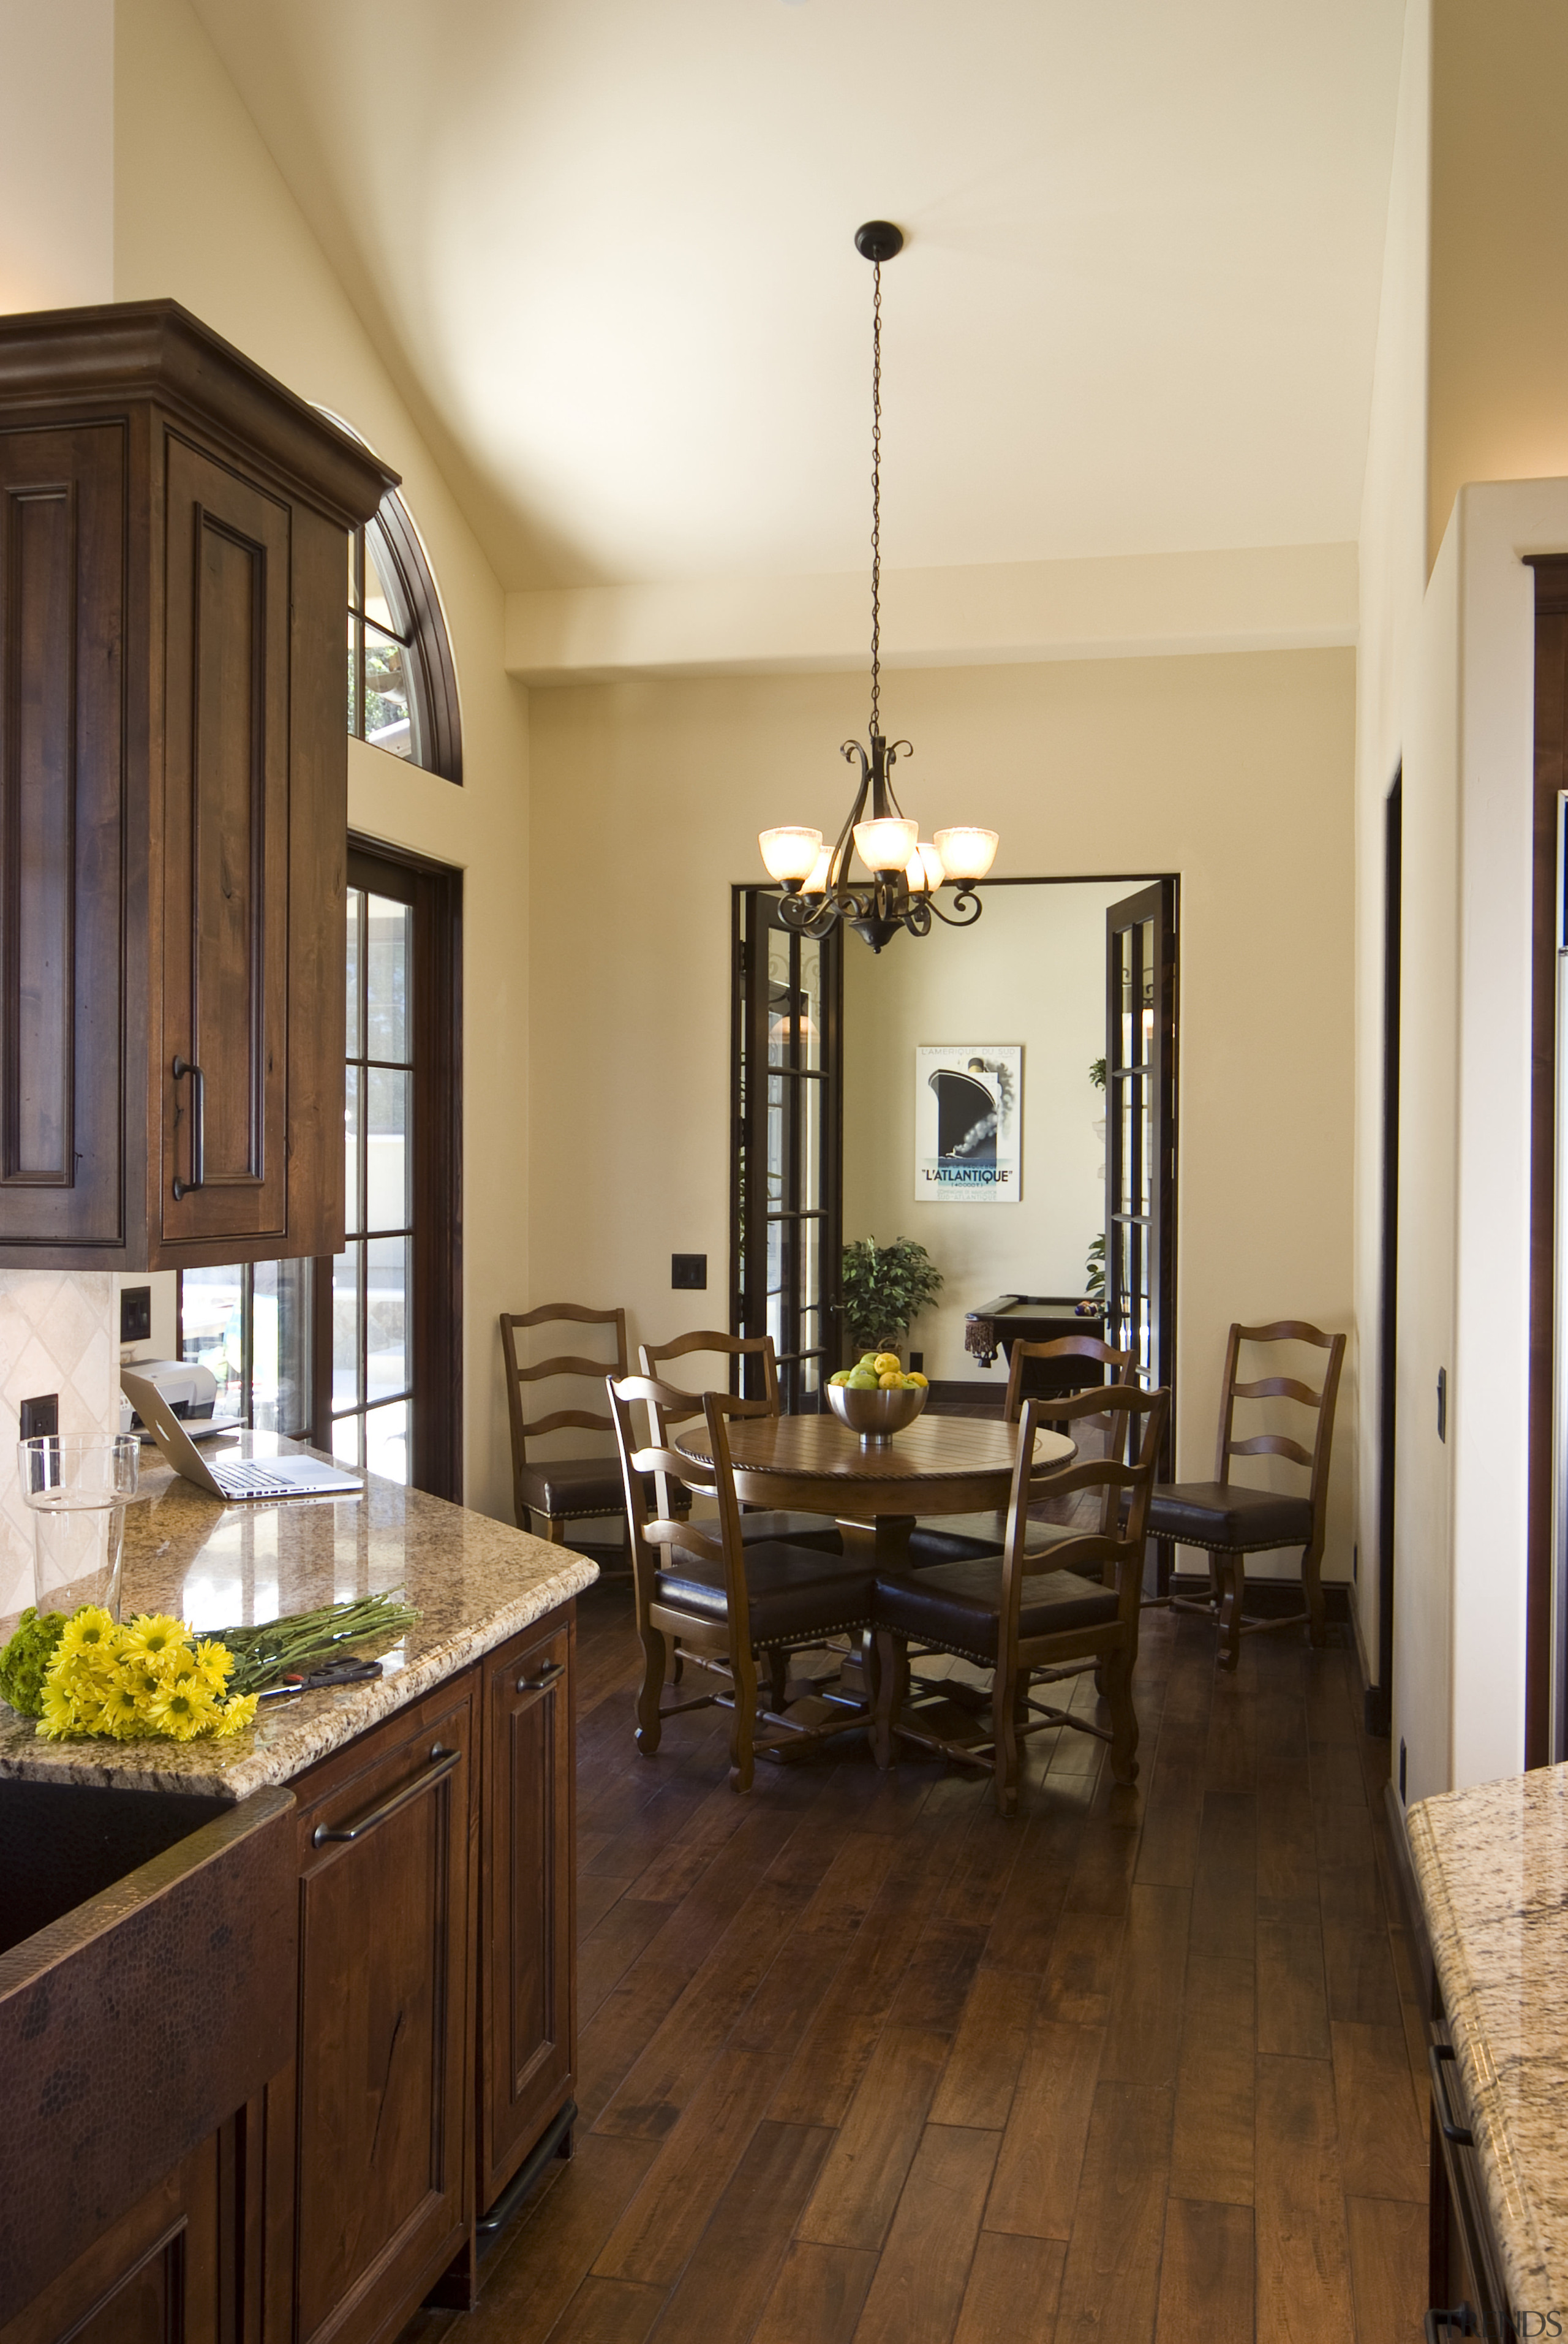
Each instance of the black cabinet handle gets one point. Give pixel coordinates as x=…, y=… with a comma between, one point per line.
x=441, y=1763
x=183, y=1066
x=547, y=1676
x=1459, y=2321
x=1437, y=2058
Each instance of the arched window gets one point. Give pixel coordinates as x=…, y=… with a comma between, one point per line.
x=402, y=684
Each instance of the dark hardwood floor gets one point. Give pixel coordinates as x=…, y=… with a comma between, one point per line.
x=858, y=2060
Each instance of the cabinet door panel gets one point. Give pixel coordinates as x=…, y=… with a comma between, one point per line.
x=527, y=1929
x=381, y=2079
x=62, y=506
x=225, y=854
x=156, y=2276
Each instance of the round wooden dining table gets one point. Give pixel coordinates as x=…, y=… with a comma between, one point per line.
x=815, y=1465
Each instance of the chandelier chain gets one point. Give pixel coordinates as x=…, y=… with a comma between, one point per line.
x=876, y=500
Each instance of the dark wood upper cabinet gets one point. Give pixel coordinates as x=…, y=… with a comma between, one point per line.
x=172, y=796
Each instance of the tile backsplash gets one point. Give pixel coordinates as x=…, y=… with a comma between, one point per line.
x=59, y=1332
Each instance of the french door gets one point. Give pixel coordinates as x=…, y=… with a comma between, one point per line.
x=1140, y=1133
x=388, y=1367
x=786, y=1243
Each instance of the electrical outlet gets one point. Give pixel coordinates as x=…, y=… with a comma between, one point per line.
x=689, y=1271
x=40, y=1417
x=135, y=1314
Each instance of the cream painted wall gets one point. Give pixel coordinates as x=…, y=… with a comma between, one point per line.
x=1032, y=970
x=57, y=155
x=1234, y=771
x=1392, y=580
x=1499, y=332
x=202, y=213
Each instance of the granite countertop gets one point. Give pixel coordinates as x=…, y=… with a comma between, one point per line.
x=474, y=1582
x=1491, y=1865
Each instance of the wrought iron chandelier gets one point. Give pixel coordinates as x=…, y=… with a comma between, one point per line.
x=906, y=871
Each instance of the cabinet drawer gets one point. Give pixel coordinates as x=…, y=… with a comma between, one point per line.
x=382, y=2106
x=527, y=2047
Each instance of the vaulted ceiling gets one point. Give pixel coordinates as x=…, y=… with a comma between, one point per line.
x=606, y=248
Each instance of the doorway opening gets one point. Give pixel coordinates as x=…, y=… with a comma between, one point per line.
x=1060, y=999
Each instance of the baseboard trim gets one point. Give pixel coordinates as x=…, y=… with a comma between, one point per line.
x=1410, y=1900
x=1268, y=1598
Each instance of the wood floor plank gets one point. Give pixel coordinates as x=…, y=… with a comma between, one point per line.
x=1014, y=2284
x=1143, y=2035
x=988, y=2053
x=1287, y=1833
x=819, y=2084
x=1358, y=1972
x=659, y=2229
x=1042, y=2155
x=723, y=2290
x=1102, y=1875
x=648, y=2102
x=1111, y=2285
x=1206, y=2275
x=1388, y=2269
x=857, y=2190
x=1081, y=1974
x=924, y=2269
x=1211, y=2145
x=1225, y=1888
x=1173, y=1814
x=1293, y=1998
x=609, y=1951
x=609, y=2311
x=1302, y=2250
x=539, y=2268
x=935, y=1986
x=817, y=2295
x=1025, y=1918
x=1382, y=2149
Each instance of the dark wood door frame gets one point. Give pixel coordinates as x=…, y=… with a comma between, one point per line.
x=435, y=891
x=1551, y=778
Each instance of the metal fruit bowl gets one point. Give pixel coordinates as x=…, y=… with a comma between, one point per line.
x=876, y=1416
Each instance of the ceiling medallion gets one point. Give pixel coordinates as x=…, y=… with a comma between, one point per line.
x=907, y=871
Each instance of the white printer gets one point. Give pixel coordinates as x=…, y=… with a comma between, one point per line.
x=190, y=1389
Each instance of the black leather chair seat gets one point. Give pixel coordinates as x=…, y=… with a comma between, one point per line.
x=957, y=1605
x=793, y=1593
x=816, y=1530
x=978, y=1538
x=1228, y=1515
x=956, y=1538
x=576, y=1485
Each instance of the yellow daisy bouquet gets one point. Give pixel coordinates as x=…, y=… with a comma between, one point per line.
x=149, y=1680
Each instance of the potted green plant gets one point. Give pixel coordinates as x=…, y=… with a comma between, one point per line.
x=884, y=1288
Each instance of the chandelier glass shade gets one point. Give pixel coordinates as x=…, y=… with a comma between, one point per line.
x=905, y=872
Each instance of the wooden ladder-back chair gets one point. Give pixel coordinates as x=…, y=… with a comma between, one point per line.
x=1231, y=1520
x=968, y=1538
x=796, y=1529
x=560, y=1490
x=704, y=1596
x=1027, y=1614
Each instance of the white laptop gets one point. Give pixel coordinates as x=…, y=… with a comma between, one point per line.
x=231, y=1478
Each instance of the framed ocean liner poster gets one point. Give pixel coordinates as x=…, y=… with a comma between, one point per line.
x=969, y=1123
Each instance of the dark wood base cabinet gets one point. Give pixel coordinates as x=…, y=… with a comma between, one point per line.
x=435, y=2040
